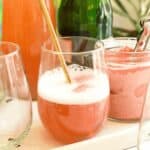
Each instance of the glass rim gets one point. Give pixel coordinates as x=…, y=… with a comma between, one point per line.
x=107, y=49
x=52, y=51
x=14, y=50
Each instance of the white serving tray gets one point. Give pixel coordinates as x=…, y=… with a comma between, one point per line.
x=114, y=136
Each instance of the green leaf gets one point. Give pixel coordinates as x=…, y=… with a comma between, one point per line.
x=133, y=5
x=123, y=32
x=120, y=13
x=121, y=6
x=123, y=11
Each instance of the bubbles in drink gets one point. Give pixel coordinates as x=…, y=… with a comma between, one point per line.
x=96, y=87
x=129, y=77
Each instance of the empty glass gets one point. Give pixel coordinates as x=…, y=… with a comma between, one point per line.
x=15, y=98
x=144, y=129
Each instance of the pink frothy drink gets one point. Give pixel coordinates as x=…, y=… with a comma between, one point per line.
x=129, y=74
x=76, y=111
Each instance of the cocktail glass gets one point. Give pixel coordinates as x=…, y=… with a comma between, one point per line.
x=76, y=111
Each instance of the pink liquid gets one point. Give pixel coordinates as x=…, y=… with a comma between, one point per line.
x=23, y=23
x=128, y=84
x=72, y=123
x=74, y=119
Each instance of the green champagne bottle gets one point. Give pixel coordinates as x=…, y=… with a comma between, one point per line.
x=91, y=18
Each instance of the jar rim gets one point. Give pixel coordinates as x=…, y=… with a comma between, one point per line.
x=8, y=49
x=99, y=46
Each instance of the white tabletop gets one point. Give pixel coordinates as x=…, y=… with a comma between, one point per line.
x=114, y=136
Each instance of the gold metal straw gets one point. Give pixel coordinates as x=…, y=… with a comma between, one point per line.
x=54, y=39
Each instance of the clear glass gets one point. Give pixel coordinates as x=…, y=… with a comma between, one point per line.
x=144, y=128
x=15, y=99
x=76, y=111
x=129, y=74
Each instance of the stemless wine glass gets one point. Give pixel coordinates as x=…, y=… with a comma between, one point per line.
x=15, y=98
x=73, y=111
x=144, y=128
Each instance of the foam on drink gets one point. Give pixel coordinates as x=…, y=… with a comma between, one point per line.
x=52, y=82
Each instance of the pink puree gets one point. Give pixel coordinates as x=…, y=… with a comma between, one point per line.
x=128, y=87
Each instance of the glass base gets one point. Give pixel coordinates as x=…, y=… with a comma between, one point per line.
x=131, y=148
x=124, y=120
x=14, y=143
x=144, y=146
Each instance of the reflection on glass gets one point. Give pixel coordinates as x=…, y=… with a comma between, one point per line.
x=15, y=99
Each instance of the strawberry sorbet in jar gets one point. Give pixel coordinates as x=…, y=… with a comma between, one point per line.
x=129, y=74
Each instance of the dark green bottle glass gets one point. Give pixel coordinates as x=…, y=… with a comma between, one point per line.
x=91, y=18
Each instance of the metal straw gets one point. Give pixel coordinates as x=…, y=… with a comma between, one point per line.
x=54, y=39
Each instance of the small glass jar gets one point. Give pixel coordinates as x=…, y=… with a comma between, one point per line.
x=129, y=74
